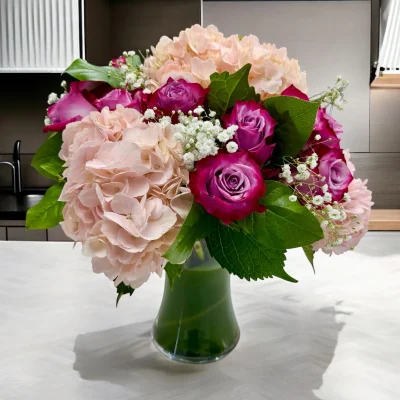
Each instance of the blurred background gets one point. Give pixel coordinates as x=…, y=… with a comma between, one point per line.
x=355, y=39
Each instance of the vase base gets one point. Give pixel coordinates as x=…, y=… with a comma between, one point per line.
x=195, y=359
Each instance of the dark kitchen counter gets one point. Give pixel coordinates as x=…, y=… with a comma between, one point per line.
x=15, y=206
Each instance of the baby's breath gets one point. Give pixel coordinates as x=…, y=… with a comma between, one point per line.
x=202, y=136
x=310, y=190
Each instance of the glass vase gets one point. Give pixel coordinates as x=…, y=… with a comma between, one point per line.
x=196, y=322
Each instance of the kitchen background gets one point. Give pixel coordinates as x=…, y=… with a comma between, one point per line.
x=39, y=38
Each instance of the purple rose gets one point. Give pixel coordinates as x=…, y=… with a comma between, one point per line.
x=178, y=95
x=332, y=165
x=228, y=186
x=255, y=129
x=140, y=100
x=112, y=98
x=72, y=107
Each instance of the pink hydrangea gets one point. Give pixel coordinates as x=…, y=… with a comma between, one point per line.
x=199, y=52
x=125, y=195
x=358, y=211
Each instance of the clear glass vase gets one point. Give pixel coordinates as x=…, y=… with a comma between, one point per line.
x=196, y=322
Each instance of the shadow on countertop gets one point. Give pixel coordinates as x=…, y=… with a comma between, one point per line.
x=278, y=357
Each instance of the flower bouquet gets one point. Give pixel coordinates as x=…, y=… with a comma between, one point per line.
x=204, y=157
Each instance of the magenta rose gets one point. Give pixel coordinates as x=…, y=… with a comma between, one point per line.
x=72, y=107
x=178, y=95
x=228, y=186
x=255, y=129
x=140, y=100
x=329, y=130
x=325, y=126
x=117, y=62
x=112, y=98
x=332, y=165
x=292, y=91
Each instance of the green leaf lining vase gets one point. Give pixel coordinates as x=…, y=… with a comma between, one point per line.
x=196, y=322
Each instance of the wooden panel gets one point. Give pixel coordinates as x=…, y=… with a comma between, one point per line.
x=386, y=81
x=385, y=119
x=383, y=173
x=19, y=233
x=57, y=235
x=385, y=220
x=2, y=233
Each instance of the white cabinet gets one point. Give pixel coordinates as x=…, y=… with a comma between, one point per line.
x=39, y=35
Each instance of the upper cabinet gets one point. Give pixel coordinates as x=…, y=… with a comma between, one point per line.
x=39, y=35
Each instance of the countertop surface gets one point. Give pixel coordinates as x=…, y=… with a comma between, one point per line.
x=332, y=336
x=15, y=206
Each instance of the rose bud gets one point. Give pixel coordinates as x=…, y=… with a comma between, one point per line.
x=117, y=62
x=255, y=129
x=140, y=100
x=228, y=186
x=178, y=95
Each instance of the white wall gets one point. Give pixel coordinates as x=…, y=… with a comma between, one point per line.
x=329, y=38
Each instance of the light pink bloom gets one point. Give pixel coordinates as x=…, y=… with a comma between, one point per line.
x=199, y=52
x=358, y=211
x=125, y=192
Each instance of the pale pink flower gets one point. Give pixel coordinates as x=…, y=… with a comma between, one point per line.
x=358, y=211
x=125, y=195
x=199, y=52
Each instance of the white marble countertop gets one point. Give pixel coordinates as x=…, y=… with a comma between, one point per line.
x=332, y=336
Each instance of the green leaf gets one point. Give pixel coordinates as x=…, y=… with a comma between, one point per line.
x=309, y=252
x=47, y=213
x=53, y=166
x=285, y=224
x=173, y=271
x=123, y=289
x=133, y=61
x=226, y=89
x=295, y=119
x=242, y=255
x=198, y=224
x=46, y=160
x=83, y=71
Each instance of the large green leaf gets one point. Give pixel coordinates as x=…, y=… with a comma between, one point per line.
x=226, y=89
x=46, y=160
x=173, y=271
x=47, y=213
x=84, y=71
x=285, y=224
x=295, y=119
x=123, y=289
x=198, y=224
x=242, y=255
